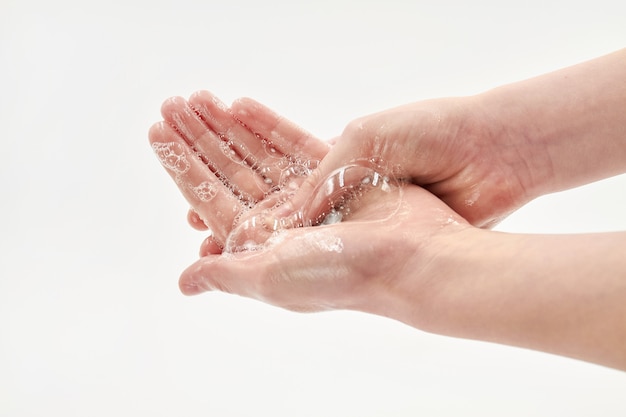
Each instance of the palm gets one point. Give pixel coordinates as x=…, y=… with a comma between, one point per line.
x=340, y=265
x=226, y=161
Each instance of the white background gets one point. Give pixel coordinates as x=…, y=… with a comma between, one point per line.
x=93, y=232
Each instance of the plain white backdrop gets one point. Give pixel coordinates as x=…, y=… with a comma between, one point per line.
x=93, y=232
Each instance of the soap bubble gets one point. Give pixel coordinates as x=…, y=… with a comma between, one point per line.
x=205, y=191
x=172, y=156
x=350, y=192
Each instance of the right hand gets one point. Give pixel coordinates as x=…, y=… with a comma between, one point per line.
x=447, y=146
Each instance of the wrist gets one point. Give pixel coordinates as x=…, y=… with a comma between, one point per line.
x=531, y=291
x=458, y=261
x=562, y=124
x=435, y=288
x=518, y=140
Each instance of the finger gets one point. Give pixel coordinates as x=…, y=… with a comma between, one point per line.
x=195, y=221
x=341, y=155
x=215, y=204
x=285, y=136
x=357, y=191
x=244, y=147
x=210, y=247
x=306, y=272
x=213, y=148
x=303, y=151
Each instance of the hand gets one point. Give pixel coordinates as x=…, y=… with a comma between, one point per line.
x=420, y=262
x=376, y=261
x=225, y=161
x=489, y=154
x=448, y=147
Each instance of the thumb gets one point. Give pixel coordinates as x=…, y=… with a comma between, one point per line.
x=332, y=194
x=342, y=153
x=301, y=269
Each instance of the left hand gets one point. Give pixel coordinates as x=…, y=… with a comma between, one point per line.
x=225, y=161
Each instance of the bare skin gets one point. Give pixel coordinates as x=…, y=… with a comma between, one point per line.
x=489, y=154
x=213, y=142
x=467, y=162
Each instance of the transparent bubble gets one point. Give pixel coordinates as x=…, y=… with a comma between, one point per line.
x=269, y=147
x=226, y=147
x=172, y=156
x=205, y=191
x=359, y=191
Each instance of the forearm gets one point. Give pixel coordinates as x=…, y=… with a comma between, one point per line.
x=569, y=125
x=563, y=294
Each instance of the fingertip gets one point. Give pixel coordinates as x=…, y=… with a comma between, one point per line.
x=156, y=131
x=194, y=220
x=172, y=105
x=244, y=106
x=189, y=288
x=188, y=283
x=245, y=102
x=207, y=102
x=201, y=95
x=210, y=247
